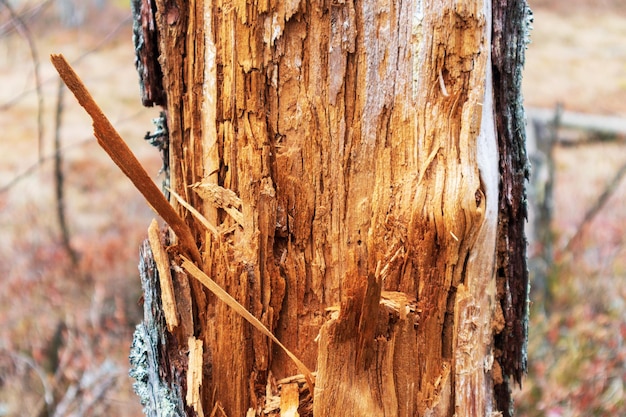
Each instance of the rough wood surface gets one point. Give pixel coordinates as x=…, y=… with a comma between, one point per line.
x=512, y=21
x=385, y=384
x=358, y=141
x=290, y=400
x=168, y=300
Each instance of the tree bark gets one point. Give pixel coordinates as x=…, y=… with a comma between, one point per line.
x=348, y=157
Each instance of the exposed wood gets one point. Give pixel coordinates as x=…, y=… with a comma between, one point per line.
x=279, y=395
x=353, y=163
x=384, y=385
x=220, y=198
x=348, y=134
x=242, y=312
x=181, y=34
x=203, y=220
x=180, y=26
x=162, y=261
x=290, y=400
x=195, y=375
x=348, y=172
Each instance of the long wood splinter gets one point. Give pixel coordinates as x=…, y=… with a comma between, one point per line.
x=120, y=153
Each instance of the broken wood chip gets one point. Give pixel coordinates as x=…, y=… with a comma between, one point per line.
x=203, y=220
x=273, y=401
x=194, y=375
x=220, y=197
x=289, y=400
x=299, y=378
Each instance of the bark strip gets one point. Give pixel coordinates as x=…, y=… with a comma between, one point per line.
x=145, y=38
x=510, y=38
x=511, y=28
x=157, y=374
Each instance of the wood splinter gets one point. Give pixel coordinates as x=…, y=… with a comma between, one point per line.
x=241, y=310
x=194, y=375
x=165, y=276
x=113, y=144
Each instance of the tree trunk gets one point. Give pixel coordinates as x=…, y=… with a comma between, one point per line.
x=363, y=197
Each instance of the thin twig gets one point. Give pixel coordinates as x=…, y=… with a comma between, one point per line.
x=23, y=30
x=100, y=45
x=591, y=214
x=203, y=220
x=24, y=16
x=59, y=178
x=47, y=389
x=34, y=167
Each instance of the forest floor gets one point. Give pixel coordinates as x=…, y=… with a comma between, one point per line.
x=66, y=325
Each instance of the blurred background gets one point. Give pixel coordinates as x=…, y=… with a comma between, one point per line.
x=71, y=224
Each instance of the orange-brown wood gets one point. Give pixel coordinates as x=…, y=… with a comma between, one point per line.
x=355, y=137
x=337, y=166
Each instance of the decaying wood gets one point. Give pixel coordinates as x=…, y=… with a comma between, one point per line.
x=290, y=400
x=348, y=133
x=345, y=158
x=511, y=30
x=194, y=376
x=384, y=384
x=147, y=53
x=157, y=374
x=162, y=261
x=242, y=312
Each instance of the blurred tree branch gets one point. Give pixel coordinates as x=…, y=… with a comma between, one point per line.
x=24, y=31
x=59, y=178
